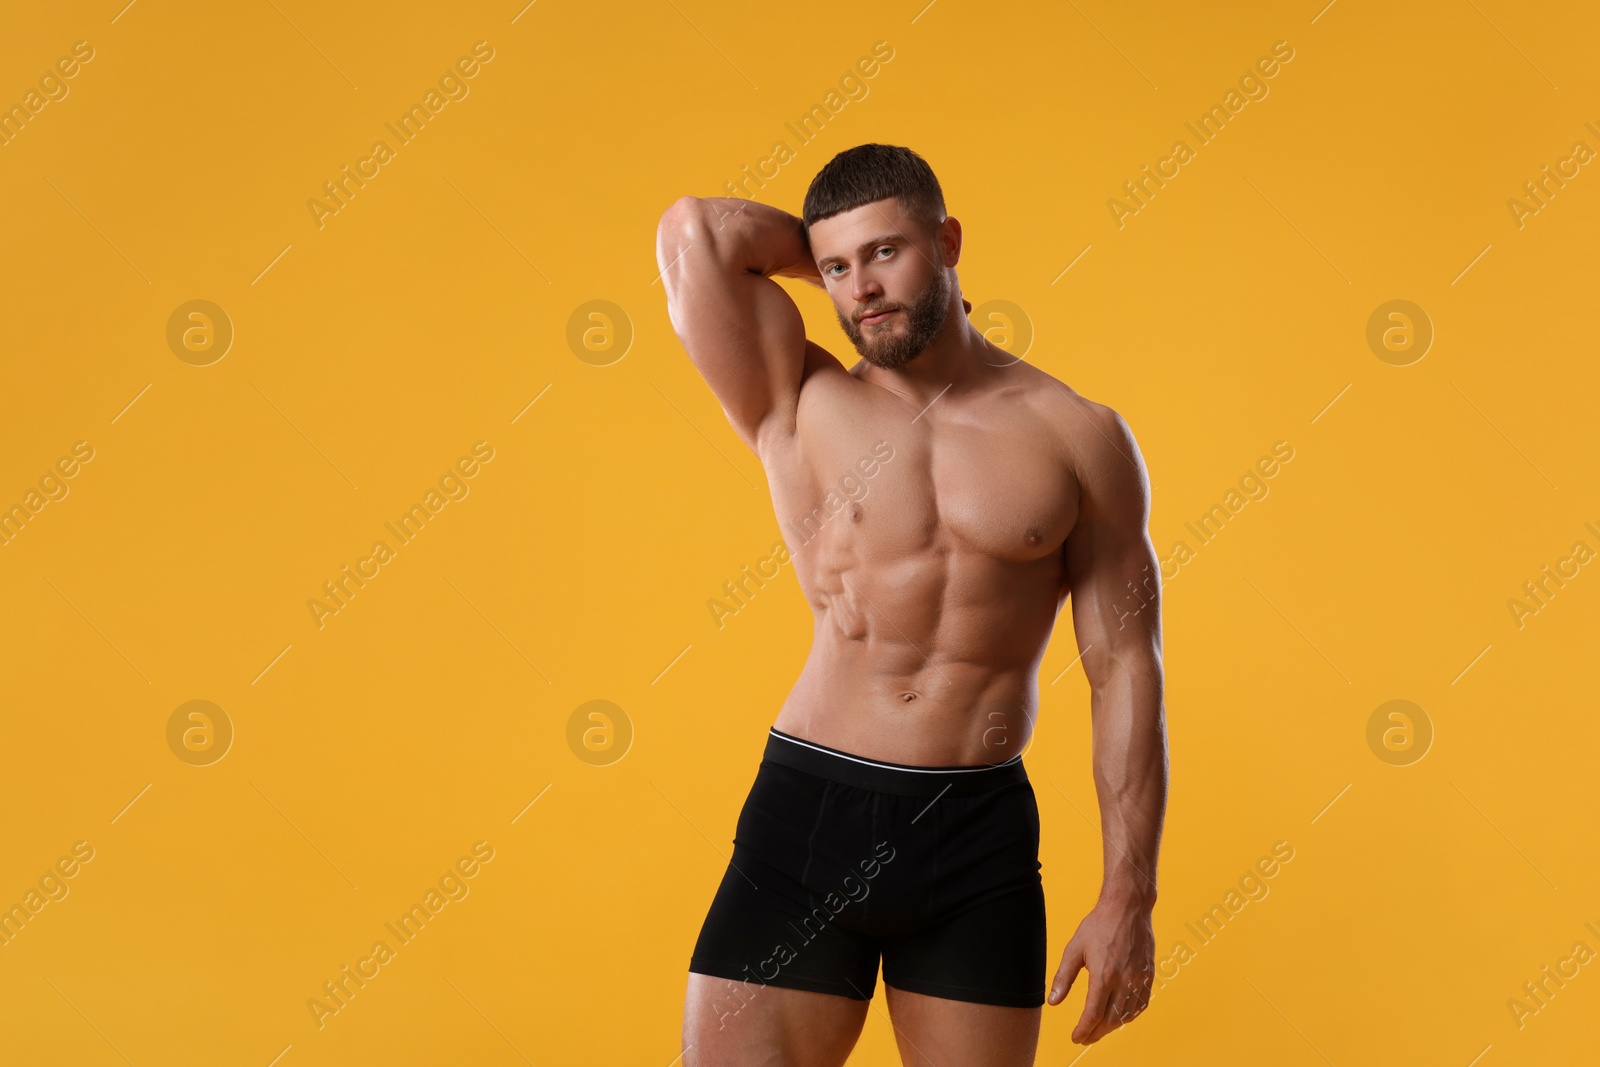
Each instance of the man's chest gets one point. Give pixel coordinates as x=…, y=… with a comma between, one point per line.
x=883, y=485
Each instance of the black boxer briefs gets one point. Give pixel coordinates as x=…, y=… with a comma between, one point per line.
x=839, y=859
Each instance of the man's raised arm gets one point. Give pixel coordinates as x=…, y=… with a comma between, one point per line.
x=1115, y=580
x=741, y=330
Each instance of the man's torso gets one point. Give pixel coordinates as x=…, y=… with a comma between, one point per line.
x=929, y=540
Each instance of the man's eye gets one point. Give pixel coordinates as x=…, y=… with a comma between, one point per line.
x=887, y=248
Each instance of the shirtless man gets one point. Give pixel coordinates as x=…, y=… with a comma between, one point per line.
x=891, y=814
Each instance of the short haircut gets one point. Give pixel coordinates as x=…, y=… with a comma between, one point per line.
x=870, y=172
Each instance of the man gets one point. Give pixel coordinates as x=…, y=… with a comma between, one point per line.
x=891, y=816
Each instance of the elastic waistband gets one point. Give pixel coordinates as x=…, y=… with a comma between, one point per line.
x=898, y=778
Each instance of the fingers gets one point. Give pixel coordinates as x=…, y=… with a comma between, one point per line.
x=1118, y=1011
x=1096, y=1008
x=1123, y=1006
x=1071, y=963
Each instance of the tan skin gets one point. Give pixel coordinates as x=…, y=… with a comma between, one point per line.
x=936, y=585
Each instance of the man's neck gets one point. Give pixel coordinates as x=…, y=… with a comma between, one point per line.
x=956, y=360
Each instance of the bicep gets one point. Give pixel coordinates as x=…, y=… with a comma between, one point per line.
x=741, y=330
x=1112, y=568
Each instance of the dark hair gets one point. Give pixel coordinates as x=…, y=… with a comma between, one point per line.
x=871, y=172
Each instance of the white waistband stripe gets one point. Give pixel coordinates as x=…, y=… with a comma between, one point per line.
x=893, y=766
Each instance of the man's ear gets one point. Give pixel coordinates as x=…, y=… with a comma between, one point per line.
x=949, y=232
x=966, y=305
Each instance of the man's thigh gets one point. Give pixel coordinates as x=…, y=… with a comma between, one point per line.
x=934, y=1031
x=728, y=1023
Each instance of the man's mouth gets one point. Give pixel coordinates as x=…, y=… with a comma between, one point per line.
x=876, y=317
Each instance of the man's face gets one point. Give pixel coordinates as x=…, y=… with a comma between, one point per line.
x=890, y=288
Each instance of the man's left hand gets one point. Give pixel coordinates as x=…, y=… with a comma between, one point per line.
x=1117, y=943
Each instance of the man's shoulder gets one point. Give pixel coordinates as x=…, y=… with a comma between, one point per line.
x=1095, y=440
x=1083, y=425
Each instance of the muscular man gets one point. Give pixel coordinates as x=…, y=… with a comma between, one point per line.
x=891, y=818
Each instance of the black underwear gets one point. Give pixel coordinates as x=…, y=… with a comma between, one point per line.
x=838, y=860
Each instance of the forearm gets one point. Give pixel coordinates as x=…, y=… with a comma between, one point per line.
x=1130, y=773
x=758, y=237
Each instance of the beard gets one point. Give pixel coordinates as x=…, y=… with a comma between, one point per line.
x=883, y=345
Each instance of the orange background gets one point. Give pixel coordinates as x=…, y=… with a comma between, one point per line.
x=438, y=308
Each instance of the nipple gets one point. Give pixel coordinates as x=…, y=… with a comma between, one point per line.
x=855, y=512
x=1033, y=536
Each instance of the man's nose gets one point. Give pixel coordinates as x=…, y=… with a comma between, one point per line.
x=865, y=289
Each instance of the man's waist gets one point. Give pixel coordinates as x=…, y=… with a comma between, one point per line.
x=885, y=776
